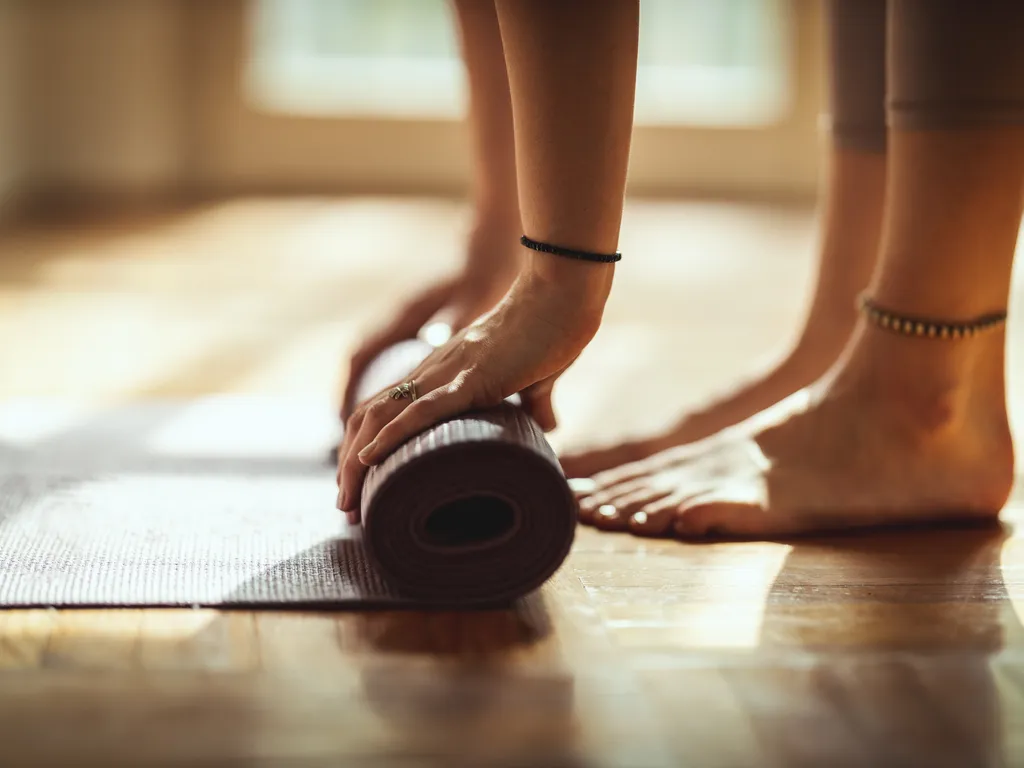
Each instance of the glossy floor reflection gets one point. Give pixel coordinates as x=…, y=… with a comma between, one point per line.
x=896, y=649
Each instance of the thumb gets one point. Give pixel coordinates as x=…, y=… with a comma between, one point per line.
x=537, y=402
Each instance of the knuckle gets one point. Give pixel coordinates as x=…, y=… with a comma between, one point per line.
x=462, y=378
x=376, y=410
x=350, y=473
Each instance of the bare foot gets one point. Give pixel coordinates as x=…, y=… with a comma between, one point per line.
x=865, y=447
x=446, y=307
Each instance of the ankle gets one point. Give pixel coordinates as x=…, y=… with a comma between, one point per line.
x=928, y=388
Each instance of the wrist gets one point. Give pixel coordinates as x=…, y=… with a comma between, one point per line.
x=492, y=253
x=584, y=284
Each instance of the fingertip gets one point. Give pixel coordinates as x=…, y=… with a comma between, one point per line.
x=543, y=412
x=367, y=456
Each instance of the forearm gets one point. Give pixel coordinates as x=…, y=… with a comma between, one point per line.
x=572, y=75
x=491, y=252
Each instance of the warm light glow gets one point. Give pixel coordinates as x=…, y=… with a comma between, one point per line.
x=187, y=525
x=737, y=580
x=436, y=334
x=248, y=427
x=1012, y=567
x=580, y=399
x=25, y=422
x=176, y=624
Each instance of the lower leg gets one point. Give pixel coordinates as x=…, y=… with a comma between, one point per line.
x=955, y=200
x=955, y=209
x=851, y=224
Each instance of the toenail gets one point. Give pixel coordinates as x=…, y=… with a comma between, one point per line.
x=640, y=518
x=582, y=485
x=607, y=510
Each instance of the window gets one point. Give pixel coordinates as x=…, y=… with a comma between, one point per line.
x=702, y=62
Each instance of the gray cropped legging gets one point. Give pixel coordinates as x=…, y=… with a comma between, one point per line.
x=948, y=64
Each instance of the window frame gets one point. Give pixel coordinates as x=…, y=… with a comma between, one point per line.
x=237, y=146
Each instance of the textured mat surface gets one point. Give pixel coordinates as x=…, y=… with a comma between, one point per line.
x=221, y=501
x=169, y=539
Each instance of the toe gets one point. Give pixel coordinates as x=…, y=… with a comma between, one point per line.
x=591, y=503
x=608, y=517
x=583, y=486
x=589, y=497
x=720, y=514
x=632, y=502
x=620, y=506
x=655, y=518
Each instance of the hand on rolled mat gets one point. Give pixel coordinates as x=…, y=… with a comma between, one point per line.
x=474, y=510
x=405, y=324
x=522, y=346
x=445, y=307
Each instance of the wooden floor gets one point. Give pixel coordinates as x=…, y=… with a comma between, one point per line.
x=905, y=649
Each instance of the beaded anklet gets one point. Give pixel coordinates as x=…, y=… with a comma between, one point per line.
x=571, y=253
x=932, y=329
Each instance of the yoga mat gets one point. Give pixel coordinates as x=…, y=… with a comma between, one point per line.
x=220, y=501
x=227, y=501
x=476, y=509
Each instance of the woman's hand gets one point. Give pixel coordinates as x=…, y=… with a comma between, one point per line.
x=490, y=267
x=522, y=346
x=454, y=302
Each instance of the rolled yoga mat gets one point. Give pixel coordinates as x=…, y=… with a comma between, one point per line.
x=474, y=510
x=226, y=501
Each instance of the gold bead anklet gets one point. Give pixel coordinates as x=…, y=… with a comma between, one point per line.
x=931, y=329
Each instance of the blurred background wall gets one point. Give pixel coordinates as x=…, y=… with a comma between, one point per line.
x=12, y=154
x=105, y=101
x=106, y=98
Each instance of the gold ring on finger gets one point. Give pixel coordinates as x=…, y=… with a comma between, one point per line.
x=404, y=391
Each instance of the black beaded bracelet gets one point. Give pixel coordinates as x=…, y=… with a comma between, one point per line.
x=570, y=253
x=928, y=328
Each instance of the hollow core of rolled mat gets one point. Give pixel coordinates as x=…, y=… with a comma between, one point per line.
x=475, y=510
